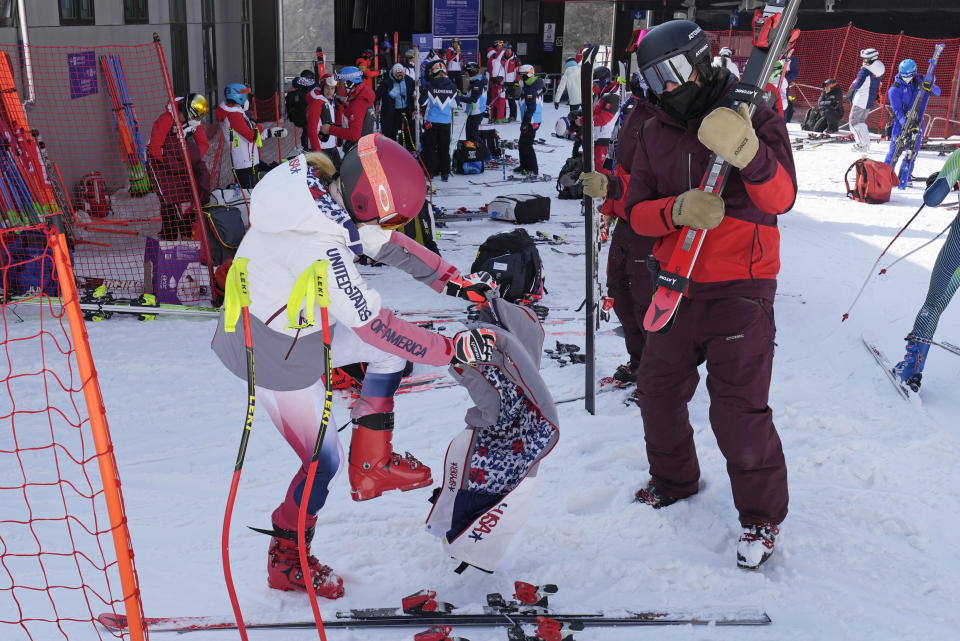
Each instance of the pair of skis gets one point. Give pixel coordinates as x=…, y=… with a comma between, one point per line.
x=514, y=180
x=128, y=125
x=529, y=606
x=910, y=138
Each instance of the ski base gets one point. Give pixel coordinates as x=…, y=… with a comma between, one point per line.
x=490, y=617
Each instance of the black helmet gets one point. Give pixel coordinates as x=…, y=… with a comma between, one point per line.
x=472, y=68
x=829, y=82
x=601, y=76
x=671, y=51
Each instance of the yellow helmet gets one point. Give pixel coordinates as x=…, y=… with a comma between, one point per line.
x=196, y=106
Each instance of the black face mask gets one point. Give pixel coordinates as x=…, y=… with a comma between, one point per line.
x=690, y=100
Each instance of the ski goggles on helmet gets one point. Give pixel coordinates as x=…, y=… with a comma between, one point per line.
x=676, y=70
x=388, y=216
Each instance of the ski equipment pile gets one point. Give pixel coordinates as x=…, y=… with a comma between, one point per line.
x=128, y=126
x=26, y=194
x=772, y=30
x=908, y=142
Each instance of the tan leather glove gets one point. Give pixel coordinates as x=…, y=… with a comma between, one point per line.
x=594, y=184
x=697, y=209
x=730, y=135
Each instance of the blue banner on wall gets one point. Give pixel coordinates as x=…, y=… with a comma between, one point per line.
x=83, y=74
x=456, y=18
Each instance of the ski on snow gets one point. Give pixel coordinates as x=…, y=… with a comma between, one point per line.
x=489, y=617
x=772, y=30
x=514, y=180
x=874, y=348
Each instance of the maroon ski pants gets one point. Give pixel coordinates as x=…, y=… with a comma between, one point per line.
x=629, y=285
x=735, y=337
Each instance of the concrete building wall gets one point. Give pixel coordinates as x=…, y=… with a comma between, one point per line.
x=306, y=24
x=585, y=22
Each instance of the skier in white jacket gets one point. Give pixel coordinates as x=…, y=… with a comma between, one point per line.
x=303, y=211
x=863, y=94
x=569, y=83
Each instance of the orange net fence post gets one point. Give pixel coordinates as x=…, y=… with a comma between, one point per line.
x=65, y=549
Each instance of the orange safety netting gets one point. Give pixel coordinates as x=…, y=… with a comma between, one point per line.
x=119, y=174
x=835, y=53
x=59, y=526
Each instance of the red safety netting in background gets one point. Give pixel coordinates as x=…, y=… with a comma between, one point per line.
x=65, y=552
x=117, y=165
x=835, y=53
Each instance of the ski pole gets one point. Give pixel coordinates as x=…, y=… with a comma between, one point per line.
x=913, y=251
x=846, y=314
x=237, y=303
x=310, y=290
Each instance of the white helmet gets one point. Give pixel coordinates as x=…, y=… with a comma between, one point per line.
x=525, y=70
x=869, y=54
x=725, y=51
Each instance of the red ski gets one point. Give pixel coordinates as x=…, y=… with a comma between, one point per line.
x=772, y=31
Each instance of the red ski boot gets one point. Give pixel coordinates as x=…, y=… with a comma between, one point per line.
x=283, y=566
x=374, y=467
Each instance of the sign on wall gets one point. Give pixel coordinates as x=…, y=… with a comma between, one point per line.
x=83, y=74
x=549, y=33
x=456, y=18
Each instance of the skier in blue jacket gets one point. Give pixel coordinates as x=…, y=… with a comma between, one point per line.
x=439, y=99
x=901, y=96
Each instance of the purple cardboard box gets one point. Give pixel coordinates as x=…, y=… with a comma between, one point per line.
x=174, y=272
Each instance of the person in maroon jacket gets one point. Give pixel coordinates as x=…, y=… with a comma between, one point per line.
x=628, y=279
x=358, y=110
x=726, y=317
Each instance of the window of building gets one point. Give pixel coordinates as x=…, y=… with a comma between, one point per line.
x=6, y=13
x=502, y=17
x=74, y=12
x=135, y=12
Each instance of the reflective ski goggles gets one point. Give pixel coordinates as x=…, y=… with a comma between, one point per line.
x=676, y=69
x=907, y=77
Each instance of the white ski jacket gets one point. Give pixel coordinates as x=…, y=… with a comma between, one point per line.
x=569, y=82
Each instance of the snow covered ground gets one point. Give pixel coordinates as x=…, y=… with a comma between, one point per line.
x=868, y=550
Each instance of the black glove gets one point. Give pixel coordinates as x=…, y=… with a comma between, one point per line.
x=473, y=346
x=473, y=288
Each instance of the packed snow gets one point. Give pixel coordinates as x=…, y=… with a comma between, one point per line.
x=868, y=550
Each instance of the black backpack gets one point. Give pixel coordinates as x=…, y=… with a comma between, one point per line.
x=813, y=115
x=226, y=228
x=569, y=186
x=514, y=262
x=295, y=102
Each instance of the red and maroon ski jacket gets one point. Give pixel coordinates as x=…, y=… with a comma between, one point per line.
x=355, y=112
x=741, y=257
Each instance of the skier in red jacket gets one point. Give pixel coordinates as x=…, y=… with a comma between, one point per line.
x=358, y=110
x=726, y=318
